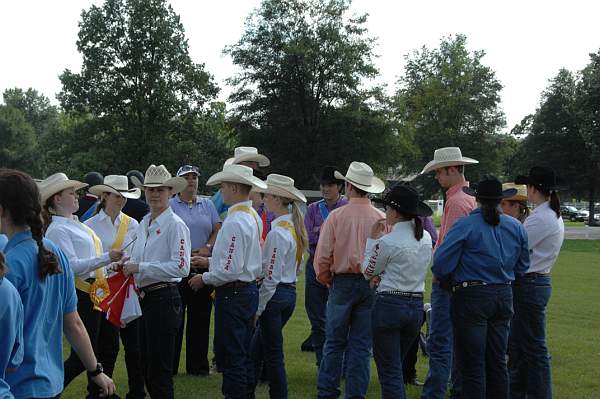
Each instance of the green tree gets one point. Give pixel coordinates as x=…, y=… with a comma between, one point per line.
x=448, y=97
x=18, y=149
x=37, y=109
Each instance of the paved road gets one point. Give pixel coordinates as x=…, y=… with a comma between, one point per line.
x=582, y=233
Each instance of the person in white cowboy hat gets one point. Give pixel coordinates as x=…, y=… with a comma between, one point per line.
x=281, y=257
x=116, y=230
x=160, y=258
x=448, y=164
x=87, y=259
x=234, y=267
x=337, y=264
x=247, y=156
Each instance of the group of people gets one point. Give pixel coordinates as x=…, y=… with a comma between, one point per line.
x=241, y=252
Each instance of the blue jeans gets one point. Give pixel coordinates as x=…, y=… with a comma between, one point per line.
x=234, y=316
x=348, y=325
x=278, y=311
x=439, y=344
x=396, y=324
x=481, y=318
x=530, y=374
x=315, y=302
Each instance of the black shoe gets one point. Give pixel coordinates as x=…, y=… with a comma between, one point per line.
x=307, y=345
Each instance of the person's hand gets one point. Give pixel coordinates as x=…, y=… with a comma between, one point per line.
x=196, y=282
x=130, y=268
x=378, y=229
x=374, y=282
x=255, y=323
x=199, y=262
x=204, y=251
x=115, y=255
x=107, y=386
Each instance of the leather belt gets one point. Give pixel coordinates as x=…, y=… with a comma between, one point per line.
x=401, y=293
x=534, y=274
x=155, y=287
x=237, y=284
x=287, y=285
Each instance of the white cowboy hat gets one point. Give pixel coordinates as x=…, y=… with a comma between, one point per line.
x=361, y=175
x=282, y=186
x=116, y=184
x=248, y=154
x=56, y=183
x=159, y=176
x=447, y=156
x=236, y=174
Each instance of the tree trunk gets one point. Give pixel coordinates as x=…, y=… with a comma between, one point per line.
x=591, y=220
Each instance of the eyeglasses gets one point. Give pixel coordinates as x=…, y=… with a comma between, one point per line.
x=185, y=169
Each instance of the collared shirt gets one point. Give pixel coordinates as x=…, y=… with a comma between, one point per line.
x=45, y=303
x=200, y=216
x=399, y=259
x=430, y=228
x=458, y=204
x=546, y=233
x=104, y=228
x=236, y=254
x=313, y=220
x=162, y=249
x=343, y=238
x=474, y=250
x=278, y=261
x=11, y=325
x=267, y=218
x=73, y=238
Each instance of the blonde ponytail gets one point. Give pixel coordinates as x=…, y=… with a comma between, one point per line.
x=298, y=221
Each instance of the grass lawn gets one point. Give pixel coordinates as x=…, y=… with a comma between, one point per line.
x=573, y=333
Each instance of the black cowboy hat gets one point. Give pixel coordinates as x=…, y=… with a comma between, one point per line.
x=405, y=200
x=327, y=176
x=539, y=176
x=489, y=188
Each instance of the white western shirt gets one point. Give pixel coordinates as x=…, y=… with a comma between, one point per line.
x=104, y=228
x=78, y=245
x=545, y=233
x=162, y=249
x=278, y=261
x=399, y=259
x=236, y=254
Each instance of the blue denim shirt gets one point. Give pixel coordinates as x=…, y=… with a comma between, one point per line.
x=476, y=251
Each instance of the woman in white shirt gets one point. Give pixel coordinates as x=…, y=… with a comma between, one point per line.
x=160, y=258
x=282, y=255
x=397, y=264
x=117, y=230
x=531, y=376
x=87, y=259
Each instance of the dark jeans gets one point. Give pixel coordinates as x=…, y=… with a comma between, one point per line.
x=481, y=318
x=160, y=321
x=396, y=324
x=235, y=309
x=131, y=339
x=315, y=302
x=278, y=311
x=530, y=372
x=348, y=326
x=197, y=329
x=409, y=361
x=104, y=337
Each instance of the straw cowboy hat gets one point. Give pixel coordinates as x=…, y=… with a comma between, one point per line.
x=236, y=174
x=116, y=184
x=489, y=188
x=521, y=194
x=248, y=154
x=405, y=200
x=282, y=186
x=159, y=176
x=361, y=176
x=56, y=183
x=447, y=156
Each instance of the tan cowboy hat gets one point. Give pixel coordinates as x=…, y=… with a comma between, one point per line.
x=361, y=175
x=159, y=176
x=282, y=186
x=447, y=156
x=56, y=183
x=236, y=174
x=248, y=154
x=116, y=184
x=521, y=194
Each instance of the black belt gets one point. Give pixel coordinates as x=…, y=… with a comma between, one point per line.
x=287, y=285
x=155, y=287
x=237, y=284
x=465, y=284
x=402, y=293
x=346, y=275
x=533, y=274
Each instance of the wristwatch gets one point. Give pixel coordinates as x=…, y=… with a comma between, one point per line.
x=99, y=370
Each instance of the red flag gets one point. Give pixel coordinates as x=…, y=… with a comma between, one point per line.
x=121, y=291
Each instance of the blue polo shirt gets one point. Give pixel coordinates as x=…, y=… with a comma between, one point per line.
x=11, y=338
x=45, y=302
x=476, y=251
x=3, y=241
x=199, y=216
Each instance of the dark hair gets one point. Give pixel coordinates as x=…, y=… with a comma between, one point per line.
x=19, y=195
x=554, y=199
x=360, y=192
x=101, y=205
x=489, y=207
x=460, y=168
x=244, y=188
x=2, y=266
x=418, y=223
